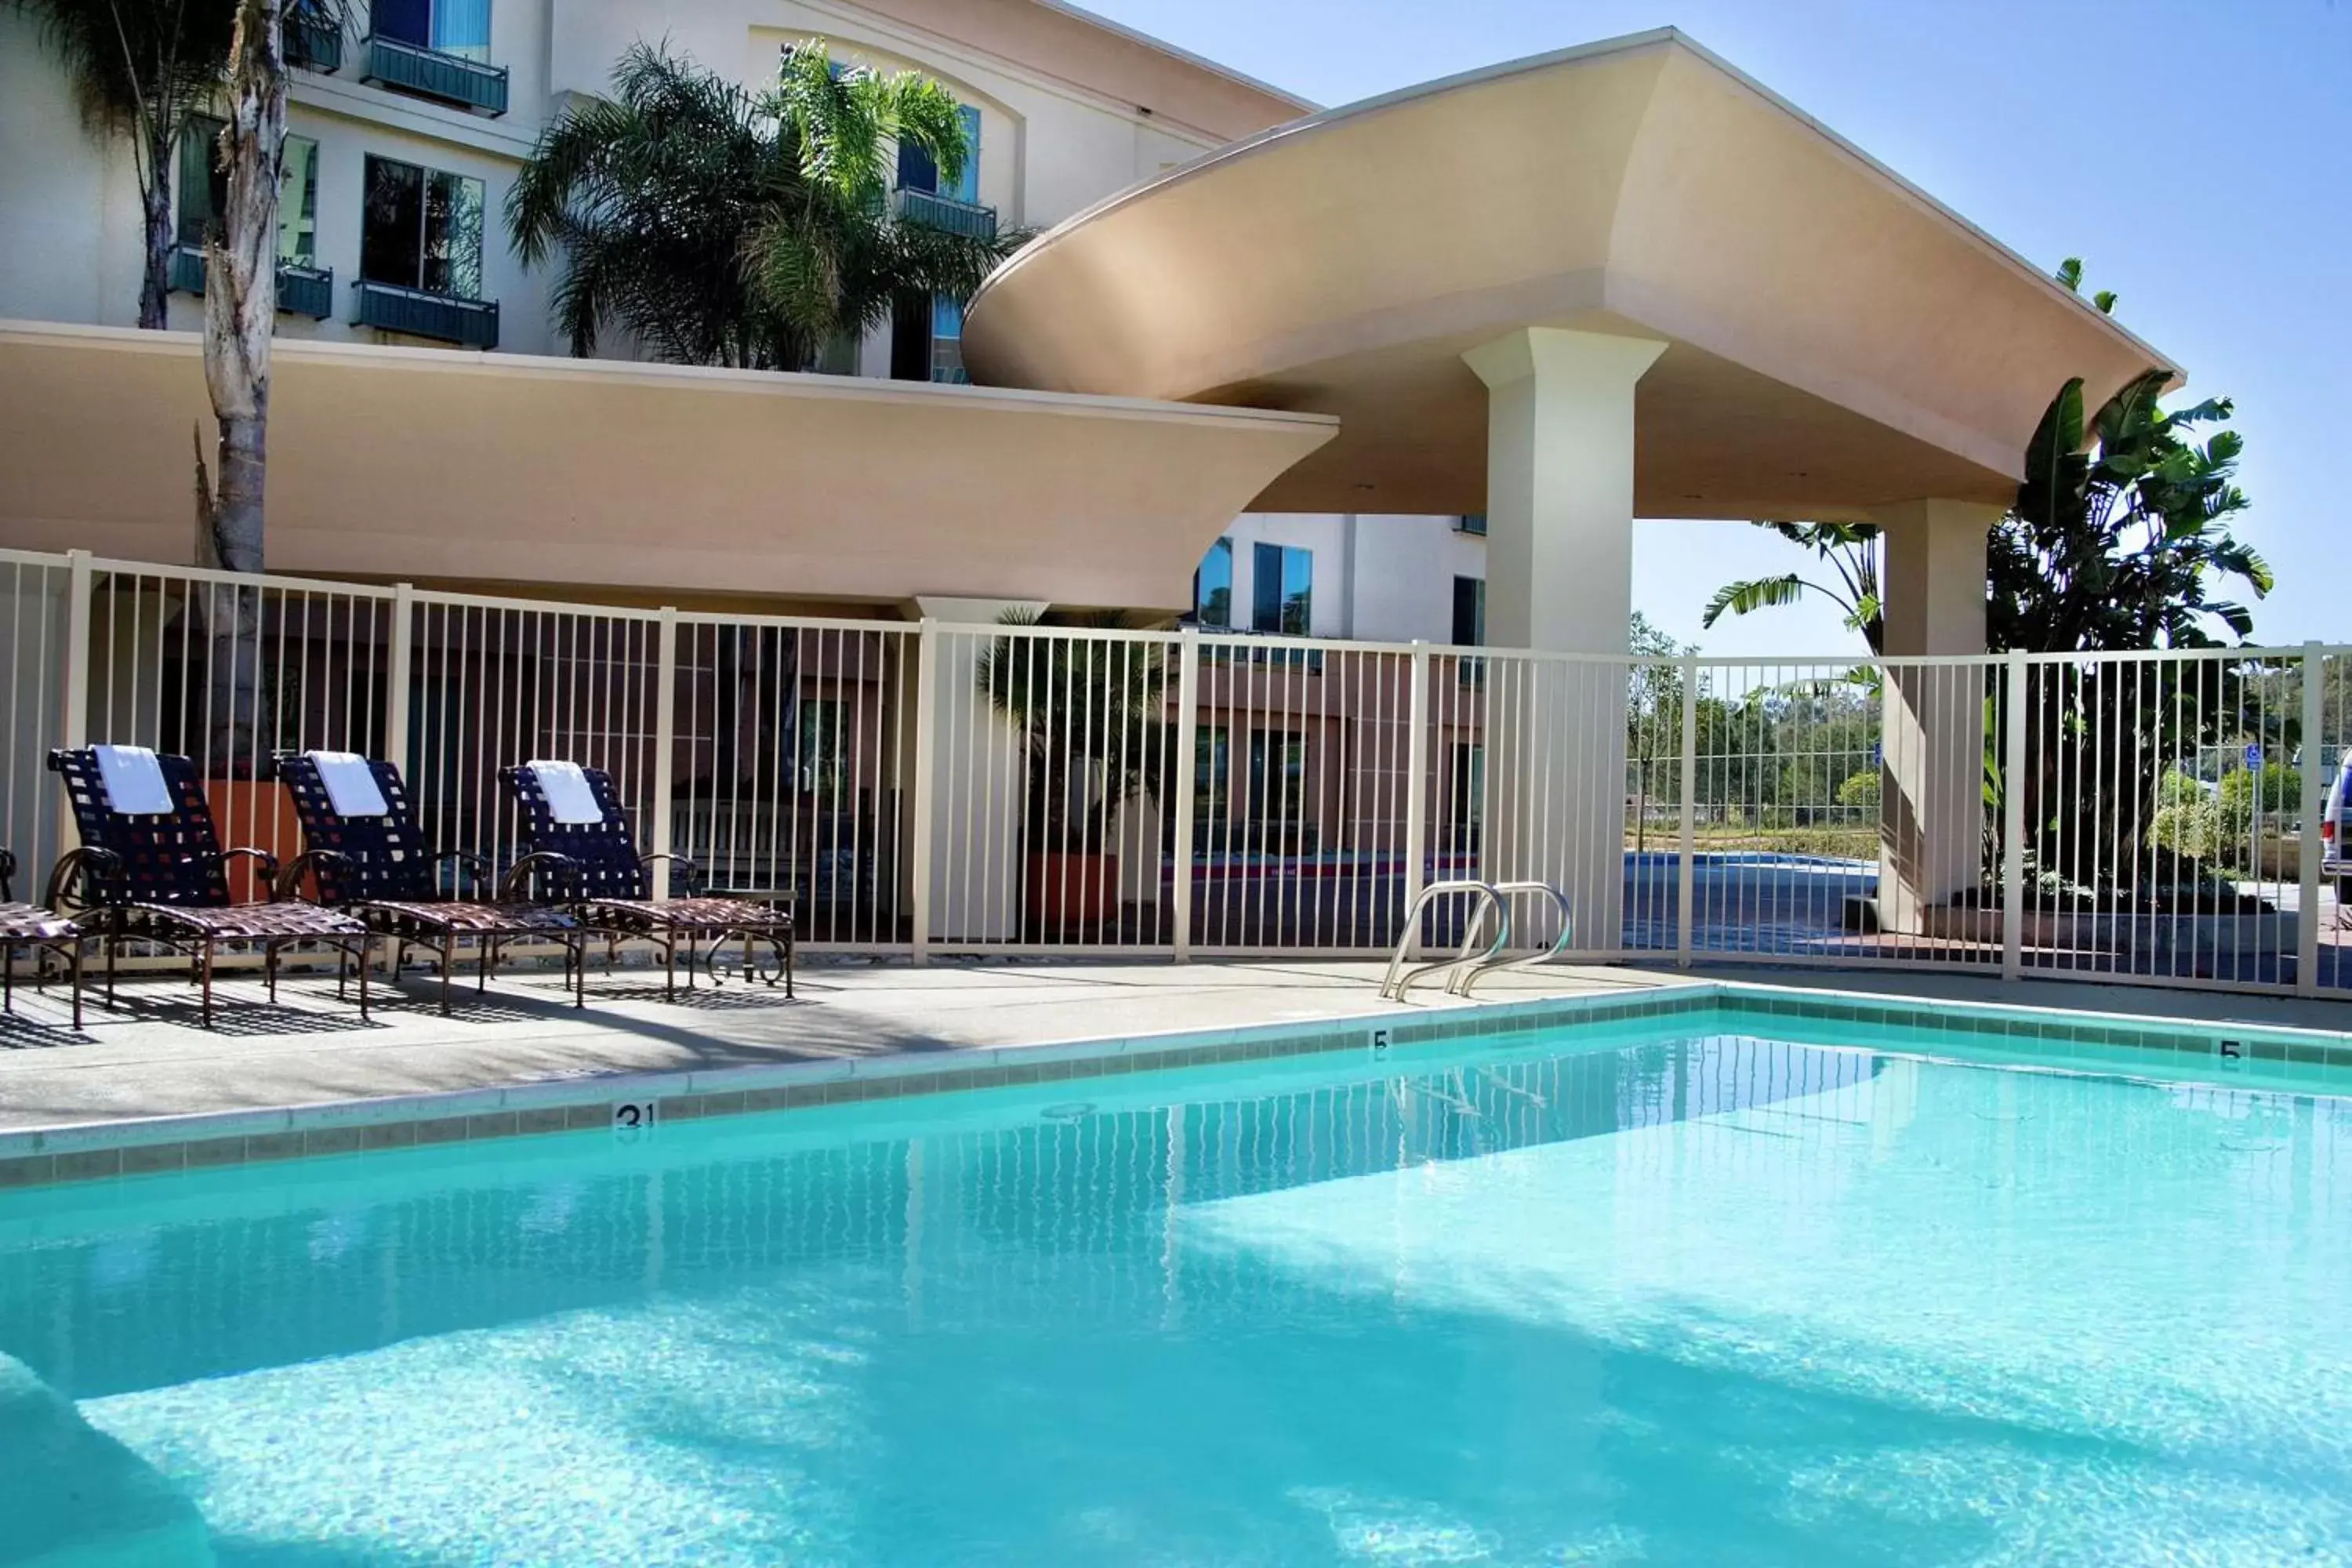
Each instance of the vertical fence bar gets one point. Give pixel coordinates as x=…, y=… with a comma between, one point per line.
x=2012, y=819
x=1416, y=783
x=397, y=678
x=1178, y=771
x=657, y=832
x=73, y=716
x=2312, y=806
x=1687, y=826
x=925, y=765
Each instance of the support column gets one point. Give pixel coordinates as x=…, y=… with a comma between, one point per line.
x=1560, y=554
x=976, y=769
x=1931, y=827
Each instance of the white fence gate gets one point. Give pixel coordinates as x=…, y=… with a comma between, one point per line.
x=927, y=789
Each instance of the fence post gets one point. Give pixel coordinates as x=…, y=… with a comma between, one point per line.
x=2313, y=808
x=1687, y=850
x=657, y=832
x=1188, y=740
x=2013, y=818
x=1416, y=788
x=397, y=677
x=926, y=763
x=73, y=717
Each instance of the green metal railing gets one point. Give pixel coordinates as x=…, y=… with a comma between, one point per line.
x=945, y=212
x=432, y=74
x=301, y=290
x=388, y=307
x=313, y=43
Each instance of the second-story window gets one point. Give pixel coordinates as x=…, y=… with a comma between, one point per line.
x=1282, y=589
x=1470, y=612
x=459, y=28
x=1212, y=587
x=919, y=171
x=204, y=192
x=423, y=230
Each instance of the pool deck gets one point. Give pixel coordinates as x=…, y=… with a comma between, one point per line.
x=148, y=1059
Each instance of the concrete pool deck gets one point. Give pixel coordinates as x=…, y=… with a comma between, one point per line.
x=148, y=1060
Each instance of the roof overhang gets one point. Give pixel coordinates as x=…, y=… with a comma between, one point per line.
x=1837, y=339
x=424, y=465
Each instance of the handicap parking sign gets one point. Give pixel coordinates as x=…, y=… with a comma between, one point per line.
x=2254, y=754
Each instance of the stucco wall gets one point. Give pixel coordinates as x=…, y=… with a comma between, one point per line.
x=1383, y=579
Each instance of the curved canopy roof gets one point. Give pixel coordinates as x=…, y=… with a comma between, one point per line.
x=1837, y=339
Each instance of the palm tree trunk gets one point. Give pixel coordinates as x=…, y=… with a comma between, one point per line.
x=240, y=310
x=155, y=199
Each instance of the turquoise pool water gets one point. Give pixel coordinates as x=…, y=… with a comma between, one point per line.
x=1692, y=1296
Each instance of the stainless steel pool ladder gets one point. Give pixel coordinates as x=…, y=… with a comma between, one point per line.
x=1399, y=980
x=1464, y=977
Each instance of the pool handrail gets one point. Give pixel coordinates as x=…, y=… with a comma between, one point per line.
x=1393, y=985
x=1462, y=980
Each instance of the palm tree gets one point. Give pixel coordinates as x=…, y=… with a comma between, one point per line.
x=1850, y=549
x=716, y=225
x=141, y=68
x=1091, y=715
x=240, y=313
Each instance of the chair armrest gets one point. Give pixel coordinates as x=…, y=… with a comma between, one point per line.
x=518, y=875
x=267, y=871
x=83, y=863
x=689, y=873
x=289, y=880
x=476, y=867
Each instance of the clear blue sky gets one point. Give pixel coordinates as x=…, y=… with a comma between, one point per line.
x=2197, y=156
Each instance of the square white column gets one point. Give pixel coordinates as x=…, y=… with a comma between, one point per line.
x=1932, y=739
x=1560, y=561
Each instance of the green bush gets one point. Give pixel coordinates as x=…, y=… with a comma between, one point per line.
x=1860, y=791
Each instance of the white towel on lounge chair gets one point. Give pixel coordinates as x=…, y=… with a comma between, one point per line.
x=565, y=785
x=350, y=784
x=134, y=782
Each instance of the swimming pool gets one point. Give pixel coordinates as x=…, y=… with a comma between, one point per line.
x=1718, y=1287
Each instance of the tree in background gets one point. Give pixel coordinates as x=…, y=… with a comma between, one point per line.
x=1850, y=550
x=716, y=225
x=2118, y=541
x=1653, y=720
x=141, y=68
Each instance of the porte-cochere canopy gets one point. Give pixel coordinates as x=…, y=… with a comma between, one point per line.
x=1837, y=339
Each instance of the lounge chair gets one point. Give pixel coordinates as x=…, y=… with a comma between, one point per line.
x=29, y=925
x=579, y=837
x=151, y=869
x=361, y=848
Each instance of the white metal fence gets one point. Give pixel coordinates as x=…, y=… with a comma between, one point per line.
x=923, y=789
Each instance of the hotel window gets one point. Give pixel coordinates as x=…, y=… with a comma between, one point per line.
x=423, y=230
x=946, y=340
x=824, y=749
x=1277, y=777
x=1212, y=587
x=1470, y=612
x=203, y=192
x=919, y=171
x=1471, y=522
x=1212, y=784
x=1282, y=589
x=459, y=28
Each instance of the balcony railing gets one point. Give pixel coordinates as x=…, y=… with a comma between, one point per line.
x=945, y=212
x=429, y=73
x=301, y=290
x=313, y=43
x=388, y=307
